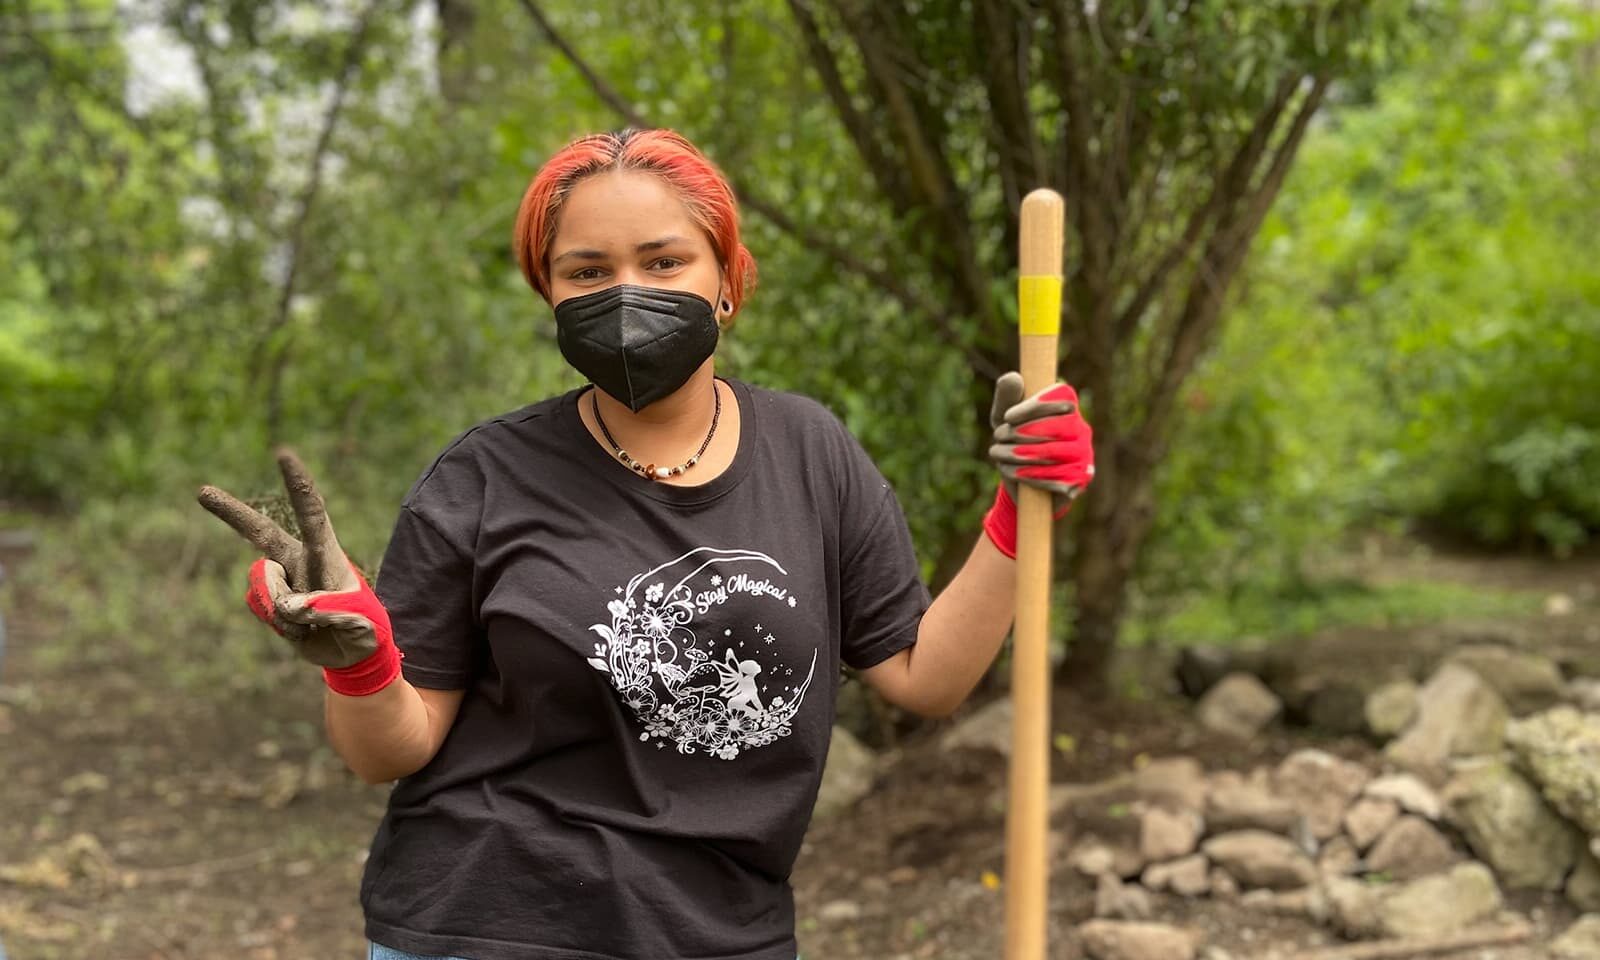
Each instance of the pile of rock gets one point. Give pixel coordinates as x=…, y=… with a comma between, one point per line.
x=1472, y=799
x=1289, y=839
x=1243, y=689
x=1519, y=777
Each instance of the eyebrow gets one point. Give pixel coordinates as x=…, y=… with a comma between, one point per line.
x=600, y=255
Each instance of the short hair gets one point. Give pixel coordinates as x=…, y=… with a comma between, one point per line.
x=665, y=153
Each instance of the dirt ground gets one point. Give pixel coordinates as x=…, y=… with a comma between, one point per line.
x=136, y=825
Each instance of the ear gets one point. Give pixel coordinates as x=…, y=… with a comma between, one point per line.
x=722, y=311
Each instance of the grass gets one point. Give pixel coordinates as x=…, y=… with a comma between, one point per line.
x=153, y=583
x=1258, y=613
x=163, y=583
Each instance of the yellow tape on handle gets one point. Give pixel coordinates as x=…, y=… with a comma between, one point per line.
x=1039, y=306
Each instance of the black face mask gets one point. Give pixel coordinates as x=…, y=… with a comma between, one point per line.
x=638, y=344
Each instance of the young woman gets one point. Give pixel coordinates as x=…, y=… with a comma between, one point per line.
x=622, y=610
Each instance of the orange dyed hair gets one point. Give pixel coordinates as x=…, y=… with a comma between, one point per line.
x=665, y=153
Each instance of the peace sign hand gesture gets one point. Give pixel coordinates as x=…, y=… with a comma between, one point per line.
x=309, y=591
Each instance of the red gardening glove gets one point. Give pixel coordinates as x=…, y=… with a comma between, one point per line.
x=346, y=632
x=1043, y=442
x=310, y=593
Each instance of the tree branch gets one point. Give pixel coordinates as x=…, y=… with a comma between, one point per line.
x=862, y=133
x=354, y=50
x=1224, y=191
x=607, y=93
x=920, y=150
x=1004, y=45
x=909, y=297
x=1076, y=168
x=922, y=153
x=1225, y=253
x=1086, y=200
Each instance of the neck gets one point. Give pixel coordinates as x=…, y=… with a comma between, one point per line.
x=669, y=430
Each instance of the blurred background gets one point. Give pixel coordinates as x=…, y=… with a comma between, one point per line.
x=1333, y=303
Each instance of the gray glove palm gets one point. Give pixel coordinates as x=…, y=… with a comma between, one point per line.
x=1041, y=441
x=294, y=576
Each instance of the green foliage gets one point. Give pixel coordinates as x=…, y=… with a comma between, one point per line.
x=120, y=585
x=1415, y=338
x=1261, y=611
x=1429, y=237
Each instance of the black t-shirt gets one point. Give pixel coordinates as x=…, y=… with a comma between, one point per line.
x=650, y=676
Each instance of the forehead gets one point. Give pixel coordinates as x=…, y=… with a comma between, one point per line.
x=619, y=209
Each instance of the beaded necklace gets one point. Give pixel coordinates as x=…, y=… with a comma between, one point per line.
x=649, y=470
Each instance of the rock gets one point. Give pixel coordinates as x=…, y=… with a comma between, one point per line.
x=1188, y=877
x=1339, y=858
x=1223, y=886
x=1201, y=668
x=986, y=729
x=1333, y=705
x=1581, y=941
x=1256, y=858
x=1442, y=903
x=1353, y=907
x=1584, y=693
x=1093, y=857
x=1234, y=804
x=1069, y=799
x=1308, y=902
x=1409, y=849
x=1559, y=605
x=89, y=781
x=1121, y=901
x=1123, y=940
x=1167, y=835
x=1458, y=715
x=839, y=911
x=1583, y=886
x=1525, y=681
x=1304, y=839
x=1368, y=818
x=1320, y=786
x=1560, y=749
x=1412, y=794
x=847, y=776
x=1509, y=826
x=1177, y=783
x=1391, y=708
x=1240, y=706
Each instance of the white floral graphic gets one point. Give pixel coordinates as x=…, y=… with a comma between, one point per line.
x=672, y=681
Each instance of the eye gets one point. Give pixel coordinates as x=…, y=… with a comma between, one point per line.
x=666, y=263
x=587, y=273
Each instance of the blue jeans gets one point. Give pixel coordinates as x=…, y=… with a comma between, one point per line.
x=377, y=951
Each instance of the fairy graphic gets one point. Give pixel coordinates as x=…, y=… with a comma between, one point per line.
x=669, y=677
x=733, y=679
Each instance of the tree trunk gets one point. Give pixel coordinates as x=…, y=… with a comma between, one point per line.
x=452, y=59
x=1119, y=518
x=1101, y=587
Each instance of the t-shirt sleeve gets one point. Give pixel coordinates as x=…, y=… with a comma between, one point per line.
x=882, y=596
x=427, y=578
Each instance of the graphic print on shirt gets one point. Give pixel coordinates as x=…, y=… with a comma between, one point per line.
x=680, y=686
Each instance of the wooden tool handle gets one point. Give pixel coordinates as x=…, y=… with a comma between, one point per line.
x=1028, y=819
